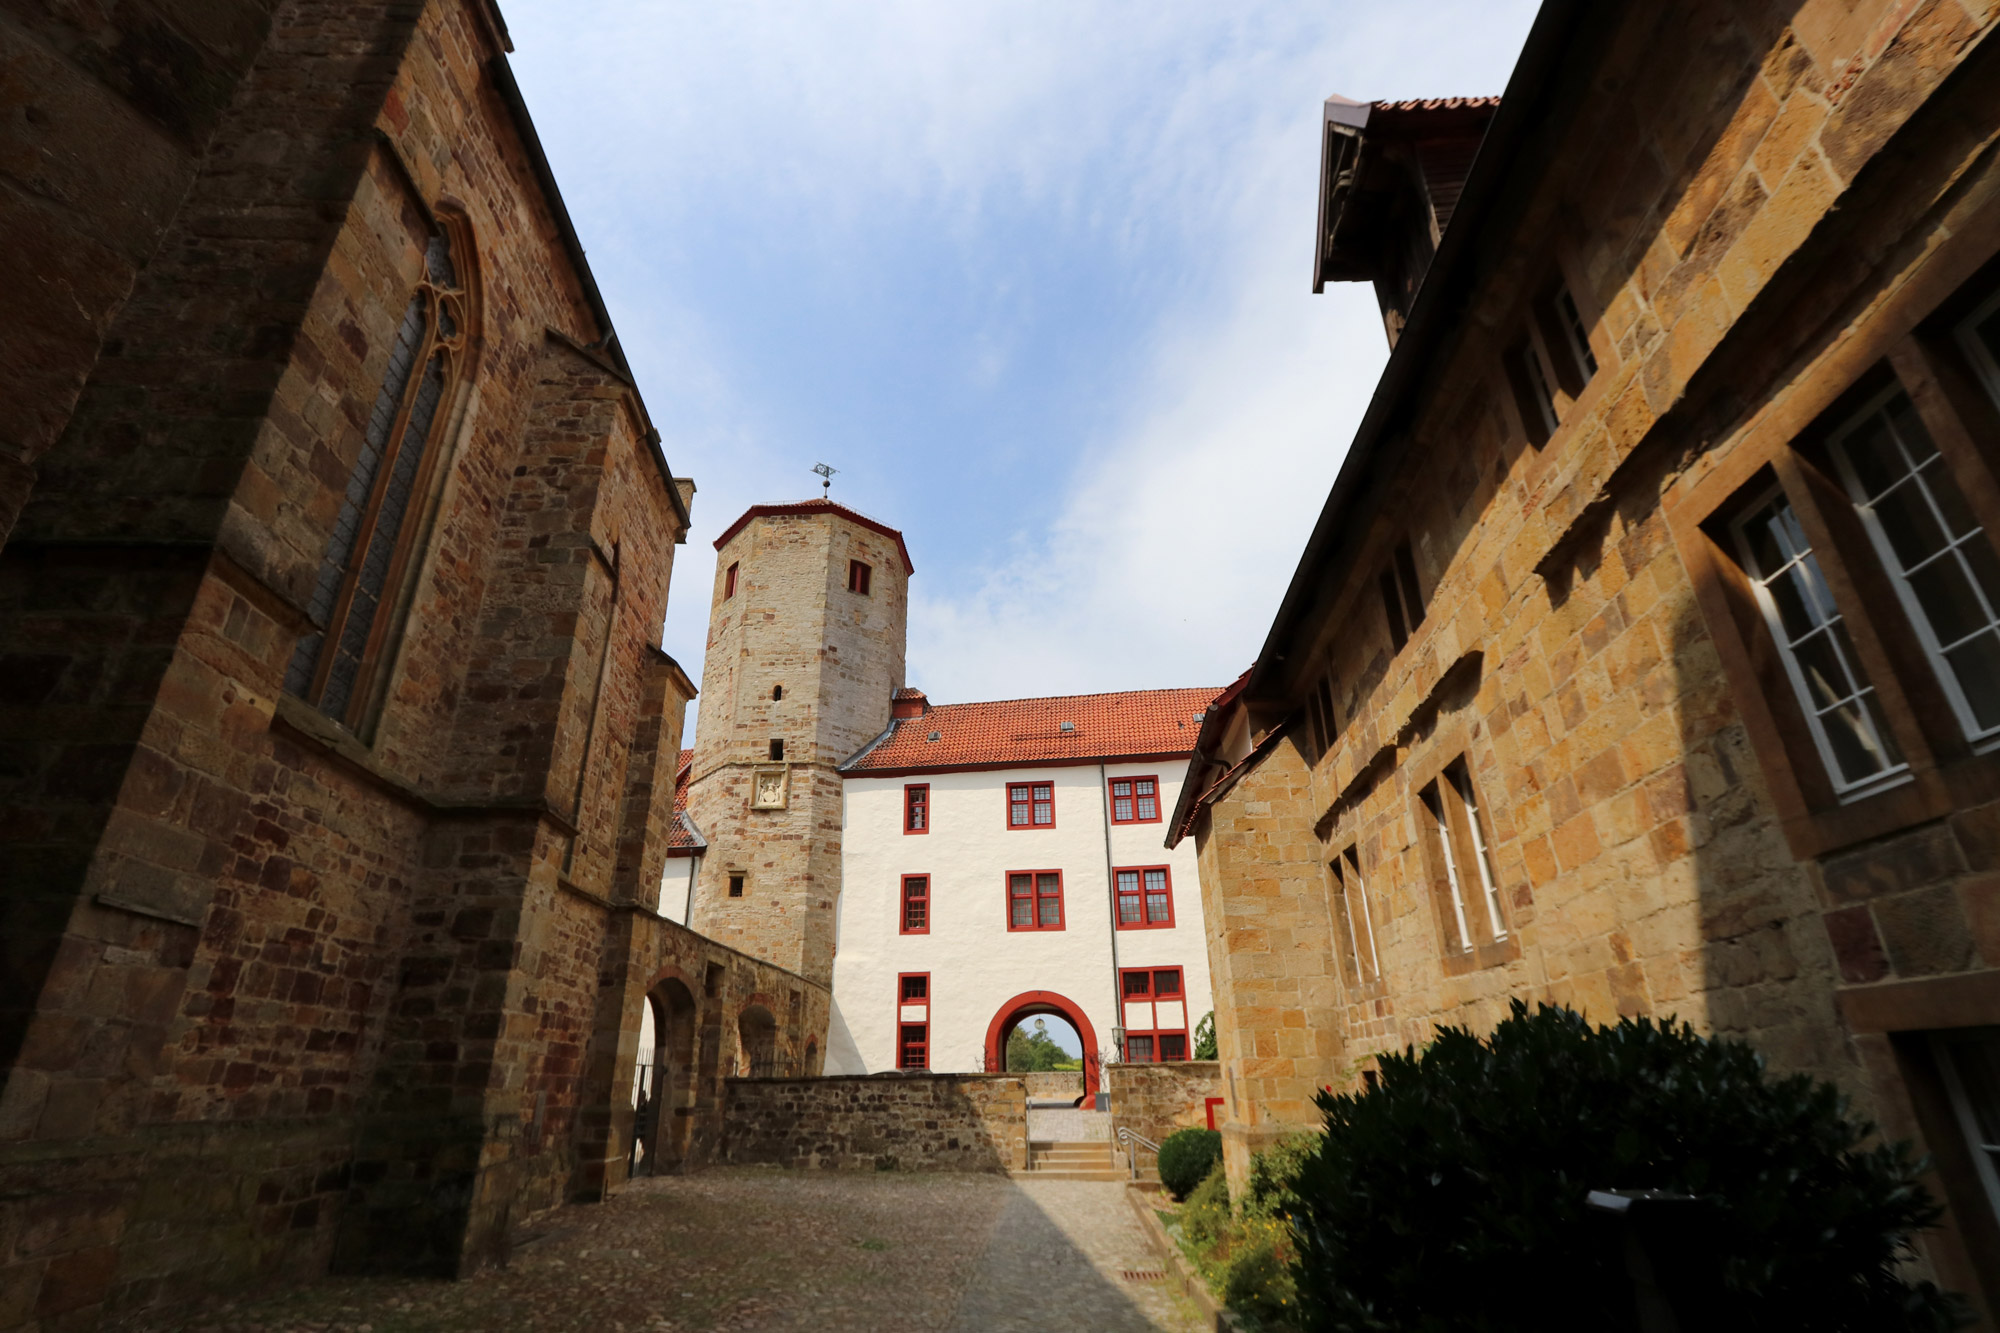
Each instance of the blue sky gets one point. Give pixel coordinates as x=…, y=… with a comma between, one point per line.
x=1036, y=277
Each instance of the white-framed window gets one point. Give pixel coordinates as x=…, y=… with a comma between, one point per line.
x=1969, y=1060
x=1832, y=688
x=1979, y=334
x=1482, y=858
x=1939, y=558
x=1353, y=917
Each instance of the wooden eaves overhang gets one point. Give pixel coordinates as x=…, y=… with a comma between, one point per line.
x=1493, y=192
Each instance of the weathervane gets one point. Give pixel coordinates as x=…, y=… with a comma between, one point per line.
x=825, y=478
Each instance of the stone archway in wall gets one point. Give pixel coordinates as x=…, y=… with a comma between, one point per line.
x=757, y=1036
x=667, y=1079
x=1025, y=1006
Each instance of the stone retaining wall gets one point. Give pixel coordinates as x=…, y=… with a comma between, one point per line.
x=1156, y=1100
x=932, y=1122
x=1053, y=1083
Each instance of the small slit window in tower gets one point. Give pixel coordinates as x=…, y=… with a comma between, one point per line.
x=729, y=583
x=858, y=575
x=777, y=747
x=736, y=886
x=777, y=693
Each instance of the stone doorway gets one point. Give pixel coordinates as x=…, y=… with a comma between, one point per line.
x=664, y=1083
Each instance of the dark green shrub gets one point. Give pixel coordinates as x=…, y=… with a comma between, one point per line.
x=1273, y=1175
x=1452, y=1195
x=1186, y=1157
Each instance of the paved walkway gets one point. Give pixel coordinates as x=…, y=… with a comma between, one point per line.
x=1063, y=1123
x=742, y=1249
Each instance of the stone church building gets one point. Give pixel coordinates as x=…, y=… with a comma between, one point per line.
x=1645, y=657
x=336, y=750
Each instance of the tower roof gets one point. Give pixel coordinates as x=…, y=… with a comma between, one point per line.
x=817, y=506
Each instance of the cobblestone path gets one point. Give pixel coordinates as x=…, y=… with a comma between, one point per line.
x=758, y=1249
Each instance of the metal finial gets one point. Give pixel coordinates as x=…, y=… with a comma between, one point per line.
x=825, y=478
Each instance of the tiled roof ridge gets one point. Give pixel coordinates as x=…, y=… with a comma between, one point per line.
x=989, y=733
x=1058, y=698
x=1436, y=103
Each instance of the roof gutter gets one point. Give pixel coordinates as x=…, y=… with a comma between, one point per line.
x=1434, y=316
x=545, y=176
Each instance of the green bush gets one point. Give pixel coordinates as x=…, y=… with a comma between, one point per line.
x=1245, y=1259
x=1204, y=1037
x=1452, y=1195
x=1186, y=1157
x=1273, y=1174
x=1205, y=1218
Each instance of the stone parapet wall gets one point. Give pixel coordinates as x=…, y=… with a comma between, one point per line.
x=1050, y=1084
x=931, y=1122
x=1155, y=1100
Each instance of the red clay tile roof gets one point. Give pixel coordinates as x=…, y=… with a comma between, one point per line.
x=909, y=692
x=680, y=837
x=1437, y=103
x=1014, y=732
x=817, y=506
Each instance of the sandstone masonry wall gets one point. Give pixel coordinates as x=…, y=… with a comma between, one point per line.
x=1756, y=209
x=283, y=994
x=931, y=1122
x=1155, y=1100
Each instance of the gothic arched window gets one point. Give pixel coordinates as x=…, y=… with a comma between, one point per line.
x=369, y=550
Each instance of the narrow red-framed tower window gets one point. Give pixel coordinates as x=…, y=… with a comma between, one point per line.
x=916, y=916
x=913, y=1020
x=917, y=807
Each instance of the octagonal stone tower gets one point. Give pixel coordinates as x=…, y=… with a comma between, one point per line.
x=805, y=651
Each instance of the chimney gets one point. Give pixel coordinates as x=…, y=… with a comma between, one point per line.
x=909, y=703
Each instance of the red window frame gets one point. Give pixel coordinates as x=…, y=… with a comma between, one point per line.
x=913, y=1034
x=917, y=807
x=859, y=575
x=921, y=900
x=1156, y=1038
x=1134, y=799
x=729, y=582
x=1028, y=804
x=1038, y=896
x=1142, y=896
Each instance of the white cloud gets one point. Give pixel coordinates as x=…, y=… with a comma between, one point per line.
x=1162, y=127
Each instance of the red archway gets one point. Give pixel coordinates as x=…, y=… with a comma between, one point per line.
x=1029, y=1003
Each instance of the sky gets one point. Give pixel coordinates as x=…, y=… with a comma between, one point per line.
x=1035, y=276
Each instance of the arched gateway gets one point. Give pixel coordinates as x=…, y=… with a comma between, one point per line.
x=1026, y=1005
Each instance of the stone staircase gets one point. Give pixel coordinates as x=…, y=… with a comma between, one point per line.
x=1089, y=1160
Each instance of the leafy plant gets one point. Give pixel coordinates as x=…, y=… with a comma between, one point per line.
x=1186, y=1157
x=1244, y=1258
x=1268, y=1193
x=1452, y=1195
x=1204, y=1037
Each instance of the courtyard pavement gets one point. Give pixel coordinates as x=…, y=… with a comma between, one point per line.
x=750, y=1248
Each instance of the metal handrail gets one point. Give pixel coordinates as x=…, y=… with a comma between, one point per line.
x=1133, y=1141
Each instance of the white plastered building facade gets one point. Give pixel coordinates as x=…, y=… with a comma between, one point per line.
x=1134, y=990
